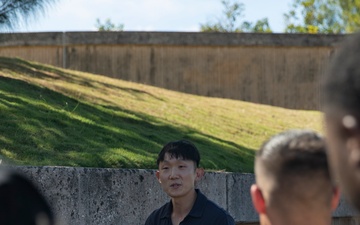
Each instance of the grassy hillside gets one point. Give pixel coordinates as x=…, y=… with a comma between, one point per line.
x=51, y=116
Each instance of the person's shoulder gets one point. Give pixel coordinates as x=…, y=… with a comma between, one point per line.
x=215, y=208
x=155, y=216
x=218, y=213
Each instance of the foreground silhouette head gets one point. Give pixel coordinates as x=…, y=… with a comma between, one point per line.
x=341, y=106
x=21, y=203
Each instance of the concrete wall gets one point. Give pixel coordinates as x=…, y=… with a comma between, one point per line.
x=90, y=196
x=275, y=69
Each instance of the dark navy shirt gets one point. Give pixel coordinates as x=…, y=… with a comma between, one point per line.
x=203, y=212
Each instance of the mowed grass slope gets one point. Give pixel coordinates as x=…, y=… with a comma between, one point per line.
x=52, y=116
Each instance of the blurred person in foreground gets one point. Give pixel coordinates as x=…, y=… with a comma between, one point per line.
x=178, y=164
x=293, y=184
x=21, y=203
x=340, y=88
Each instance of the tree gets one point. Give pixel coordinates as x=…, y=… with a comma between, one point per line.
x=323, y=16
x=229, y=22
x=108, y=26
x=16, y=12
x=261, y=26
x=351, y=14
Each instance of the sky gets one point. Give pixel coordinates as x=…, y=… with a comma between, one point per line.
x=150, y=15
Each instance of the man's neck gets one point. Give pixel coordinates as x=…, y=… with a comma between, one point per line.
x=298, y=219
x=182, y=206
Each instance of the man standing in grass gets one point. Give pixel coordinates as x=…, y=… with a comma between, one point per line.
x=293, y=184
x=178, y=164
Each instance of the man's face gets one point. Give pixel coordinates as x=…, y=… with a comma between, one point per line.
x=177, y=176
x=343, y=165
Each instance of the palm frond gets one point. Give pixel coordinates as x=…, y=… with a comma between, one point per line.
x=19, y=12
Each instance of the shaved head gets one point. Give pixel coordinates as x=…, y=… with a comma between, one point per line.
x=292, y=171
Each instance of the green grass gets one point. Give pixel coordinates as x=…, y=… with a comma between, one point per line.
x=52, y=116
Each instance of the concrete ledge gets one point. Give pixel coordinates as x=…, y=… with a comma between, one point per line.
x=168, y=38
x=239, y=199
x=124, y=196
x=31, y=39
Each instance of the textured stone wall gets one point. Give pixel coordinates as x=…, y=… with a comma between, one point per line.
x=90, y=196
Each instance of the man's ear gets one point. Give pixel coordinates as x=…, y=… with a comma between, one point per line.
x=335, y=198
x=157, y=174
x=258, y=199
x=353, y=146
x=199, y=173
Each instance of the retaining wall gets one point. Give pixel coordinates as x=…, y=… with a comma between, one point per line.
x=90, y=196
x=274, y=69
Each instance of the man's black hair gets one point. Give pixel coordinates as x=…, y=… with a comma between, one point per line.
x=341, y=83
x=181, y=149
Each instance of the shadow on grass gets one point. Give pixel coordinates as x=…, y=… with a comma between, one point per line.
x=41, y=127
x=52, y=73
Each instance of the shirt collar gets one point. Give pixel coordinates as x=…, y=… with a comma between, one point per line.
x=196, y=211
x=166, y=212
x=199, y=205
